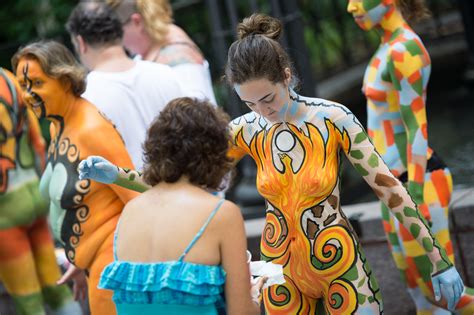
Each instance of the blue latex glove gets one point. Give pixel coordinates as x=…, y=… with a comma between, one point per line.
x=449, y=285
x=99, y=169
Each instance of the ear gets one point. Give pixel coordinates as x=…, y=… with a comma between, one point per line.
x=136, y=19
x=287, y=76
x=81, y=45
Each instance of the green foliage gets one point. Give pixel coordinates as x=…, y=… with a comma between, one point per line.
x=26, y=20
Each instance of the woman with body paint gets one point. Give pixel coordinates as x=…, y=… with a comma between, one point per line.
x=28, y=266
x=296, y=143
x=395, y=86
x=82, y=214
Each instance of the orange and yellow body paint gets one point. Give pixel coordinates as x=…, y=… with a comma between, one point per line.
x=28, y=266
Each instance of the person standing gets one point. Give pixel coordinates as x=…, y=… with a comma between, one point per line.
x=149, y=33
x=82, y=214
x=296, y=142
x=395, y=85
x=28, y=266
x=129, y=92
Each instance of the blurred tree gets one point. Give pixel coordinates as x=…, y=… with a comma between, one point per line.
x=27, y=20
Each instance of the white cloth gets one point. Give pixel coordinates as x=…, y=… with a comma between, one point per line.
x=273, y=272
x=132, y=99
x=195, y=79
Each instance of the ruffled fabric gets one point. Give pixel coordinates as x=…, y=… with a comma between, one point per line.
x=173, y=282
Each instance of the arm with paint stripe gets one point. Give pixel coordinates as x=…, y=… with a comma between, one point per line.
x=363, y=156
x=409, y=69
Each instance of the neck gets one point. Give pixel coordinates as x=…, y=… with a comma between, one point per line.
x=296, y=112
x=152, y=51
x=182, y=183
x=62, y=110
x=391, y=22
x=109, y=59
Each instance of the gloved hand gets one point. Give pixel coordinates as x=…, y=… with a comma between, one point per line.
x=98, y=169
x=449, y=285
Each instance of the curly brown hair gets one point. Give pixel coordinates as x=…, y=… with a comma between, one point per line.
x=189, y=138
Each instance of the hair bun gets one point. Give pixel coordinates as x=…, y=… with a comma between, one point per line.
x=259, y=23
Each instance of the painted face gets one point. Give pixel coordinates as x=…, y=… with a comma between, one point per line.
x=368, y=13
x=41, y=92
x=270, y=100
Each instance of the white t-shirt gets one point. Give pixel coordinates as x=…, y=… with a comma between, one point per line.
x=132, y=99
x=195, y=79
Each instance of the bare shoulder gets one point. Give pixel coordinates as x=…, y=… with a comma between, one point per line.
x=229, y=215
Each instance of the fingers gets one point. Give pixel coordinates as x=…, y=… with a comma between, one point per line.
x=449, y=295
x=261, y=282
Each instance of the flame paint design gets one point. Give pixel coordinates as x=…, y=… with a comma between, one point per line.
x=314, y=269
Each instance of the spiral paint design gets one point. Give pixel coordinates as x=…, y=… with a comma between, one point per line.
x=334, y=250
x=342, y=298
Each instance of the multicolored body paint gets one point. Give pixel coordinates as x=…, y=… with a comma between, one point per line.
x=83, y=214
x=306, y=230
x=395, y=86
x=28, y=267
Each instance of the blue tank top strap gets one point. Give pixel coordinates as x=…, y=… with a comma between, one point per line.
x=198, y=235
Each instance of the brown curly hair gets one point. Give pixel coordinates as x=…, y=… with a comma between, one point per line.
x=189, y=138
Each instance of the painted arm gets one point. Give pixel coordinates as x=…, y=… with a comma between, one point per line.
x=101, y=170
x=366, y=160
x=409, y=69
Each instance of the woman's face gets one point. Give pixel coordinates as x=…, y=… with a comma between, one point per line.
x=134, y=35
x=40, y=91
x=368, y=13
x=265, y=98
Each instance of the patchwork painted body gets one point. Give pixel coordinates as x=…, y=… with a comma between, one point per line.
x=395, y=85
x=306, y=230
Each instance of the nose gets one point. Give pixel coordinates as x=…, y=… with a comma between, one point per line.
x=27, y=97
x=352, y=7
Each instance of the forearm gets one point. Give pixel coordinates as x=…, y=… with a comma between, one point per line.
x=131, y=179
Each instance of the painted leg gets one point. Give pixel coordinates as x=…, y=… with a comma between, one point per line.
x=287, y=299
x=360, y=277
x=100, y=301
x=58, y=298
x=18, y=272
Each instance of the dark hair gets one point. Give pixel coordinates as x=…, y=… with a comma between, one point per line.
x=189, y=138
x=257, y=54
x=413, y=10
x=56, y=61
x=96, y=22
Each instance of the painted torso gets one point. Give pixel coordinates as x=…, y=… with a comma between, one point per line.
x=392, y=110
x=83, y=213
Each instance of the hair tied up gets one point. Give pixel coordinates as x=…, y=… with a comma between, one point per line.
x=259, y=24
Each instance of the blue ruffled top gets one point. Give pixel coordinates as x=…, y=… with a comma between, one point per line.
x=178, y=283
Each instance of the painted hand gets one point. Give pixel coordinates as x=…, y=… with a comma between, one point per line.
x=78, y=277
x=256, y=289
x=98, y=169
x=449, y=285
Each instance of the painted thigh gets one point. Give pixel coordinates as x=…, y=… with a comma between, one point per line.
x=367, y=300
x=100, y=300
x=47, y=269
x=18, y=271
